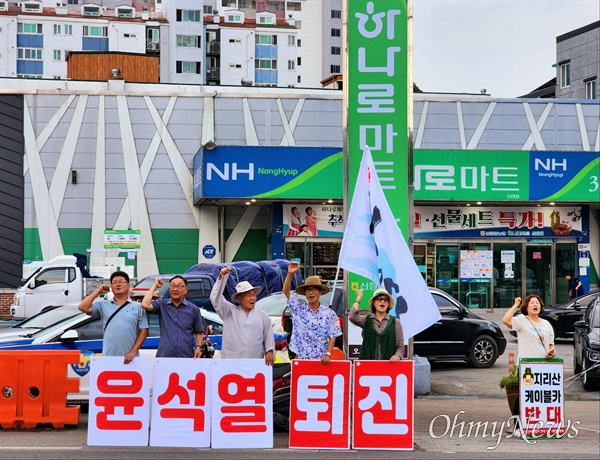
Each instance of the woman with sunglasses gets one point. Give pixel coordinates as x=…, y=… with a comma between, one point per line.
x=383, y=338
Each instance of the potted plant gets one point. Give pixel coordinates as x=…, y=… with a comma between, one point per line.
x=510, y=381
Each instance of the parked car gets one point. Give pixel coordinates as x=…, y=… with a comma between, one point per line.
x=84, y=333
x=586, y=345
x=276, y=307
x=564, y=315
x=459, y=335
x=48, y=317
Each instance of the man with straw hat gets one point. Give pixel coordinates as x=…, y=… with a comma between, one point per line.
x=315, y=325
x=383, y=338
x=247, y=332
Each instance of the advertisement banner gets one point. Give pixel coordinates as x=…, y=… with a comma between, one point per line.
x=541, y=397
x=377, y=94
x=181, y=403
x=320, y=405
x=497, y=222
x=506, y=175
x=122, y=239
x=382, y=404
x=119, y=401
x=242, y=412
x=270, y=172
x=313, y=220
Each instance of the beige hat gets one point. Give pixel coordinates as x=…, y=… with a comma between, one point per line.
x=379, y=292
x=243, y=287
x=312, y=281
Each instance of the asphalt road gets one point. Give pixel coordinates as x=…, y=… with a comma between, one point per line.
x=459, y=393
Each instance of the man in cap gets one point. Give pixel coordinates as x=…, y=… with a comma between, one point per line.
x=247, y=332
x=383, y=338
x=315, y=325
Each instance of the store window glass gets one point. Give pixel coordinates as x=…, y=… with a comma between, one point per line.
x=475, y=275
x=566, y=258
x=506, y=278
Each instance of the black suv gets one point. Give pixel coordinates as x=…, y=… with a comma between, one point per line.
x=586, y=345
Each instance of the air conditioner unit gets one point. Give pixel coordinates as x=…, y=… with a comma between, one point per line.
x=152, y=46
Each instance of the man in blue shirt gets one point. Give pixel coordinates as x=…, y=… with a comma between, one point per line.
x=125, y=323
x=181, y=324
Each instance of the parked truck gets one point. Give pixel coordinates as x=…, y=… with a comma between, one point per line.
x=61, y=281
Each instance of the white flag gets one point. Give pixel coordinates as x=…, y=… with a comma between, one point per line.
x=373, y=247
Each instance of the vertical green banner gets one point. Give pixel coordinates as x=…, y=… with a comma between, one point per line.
x=377, y=101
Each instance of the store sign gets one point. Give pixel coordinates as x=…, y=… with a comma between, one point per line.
x=313, y=220
x=505, y=175
x=497, y=222
x=268, y=172
x=122, y=239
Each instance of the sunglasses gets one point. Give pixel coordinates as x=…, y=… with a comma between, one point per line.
x=379, y=298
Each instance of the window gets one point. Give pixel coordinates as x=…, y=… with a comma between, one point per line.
x=3, y=6
x=189, y=15
x=266, y=19
x=63, y=29
x=299, y=43
x=125, y=12
x=234, y=18
x=236, y=41
x=336, y=14
x=590, y=89
x=32, y=7
x=56, y=275
x=336, y=33
x=299, y=61
x=24, y=75
x=187, y=67
x=565, y=74
x=93, y=31
x=265, y=64
x=246, y=4
x=57, y=55
x=189, y=41
x=265, y=39
x=29, y=28
x=336, y=69
x=291, y=65
x=336, y=50
x=72, y=2
x=130, y=35
x=299, y=79
x=235, y=66
x=91, y=10
x=30, y=54
x=291, y=40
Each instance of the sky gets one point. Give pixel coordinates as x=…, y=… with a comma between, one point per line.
x=507, y=47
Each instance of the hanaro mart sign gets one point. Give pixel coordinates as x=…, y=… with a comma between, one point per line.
x=121, y=239
x=377, y=101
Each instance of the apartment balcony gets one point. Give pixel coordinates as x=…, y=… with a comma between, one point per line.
x=213, y=47
x=213, y=74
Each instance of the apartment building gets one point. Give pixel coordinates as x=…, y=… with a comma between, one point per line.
x=36, y=39
x=578, y=63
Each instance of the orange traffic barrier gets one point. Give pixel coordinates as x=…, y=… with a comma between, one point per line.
x=338, y=354
x=34, y=387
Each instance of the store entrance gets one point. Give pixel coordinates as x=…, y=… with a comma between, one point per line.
x=538, y=277
x=318, y=256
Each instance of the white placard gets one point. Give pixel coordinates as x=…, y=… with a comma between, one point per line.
x=119, y=401
x=507, y=257
x=181, y=402
x=242, y=411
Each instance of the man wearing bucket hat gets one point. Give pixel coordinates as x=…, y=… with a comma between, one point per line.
x=383, y=338
x=247, y=332
x=315, y=326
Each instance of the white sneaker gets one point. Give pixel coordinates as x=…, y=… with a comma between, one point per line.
x=517, y=433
